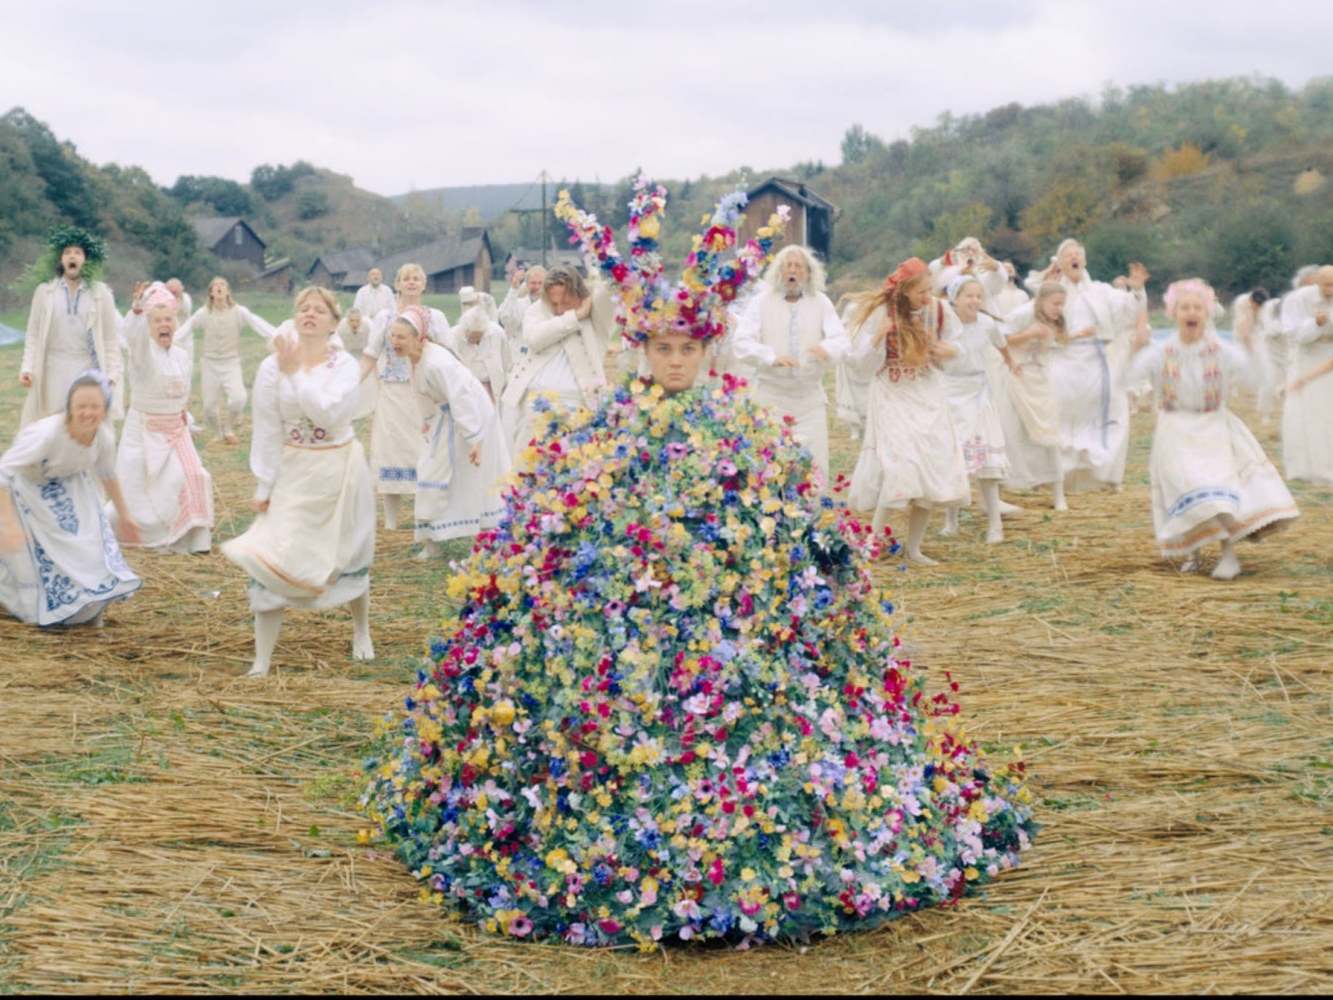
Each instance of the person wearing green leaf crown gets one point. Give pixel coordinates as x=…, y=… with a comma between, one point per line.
x=670, y=704
x=72, y=325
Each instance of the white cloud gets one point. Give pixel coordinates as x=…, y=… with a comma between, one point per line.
x=423, y=94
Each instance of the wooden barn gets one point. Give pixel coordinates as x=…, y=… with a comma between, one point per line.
x=812, y=217
x=231, y=238
x=532, y=255
x=449, y=263
x=331, y=270
x=279, y=276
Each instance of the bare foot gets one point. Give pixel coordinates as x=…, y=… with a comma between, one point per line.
x=362, y=649
x=1227, y=569
x=231, y=438
x=1061, y=506
x=258, y=670
x=995, y=537
x=921, y=560
x=1009, y=508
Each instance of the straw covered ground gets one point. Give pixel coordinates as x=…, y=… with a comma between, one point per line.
x=167, y=825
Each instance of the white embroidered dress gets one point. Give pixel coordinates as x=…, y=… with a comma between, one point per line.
x=313, y=547
x=911, y=453
x=1211, y=481
x=395, y=433
x=968, y=384
x=166, y=487
x=1029, y=416
x=454, y=497
x=70, y=565
x=1307, y=415
x=221, y=380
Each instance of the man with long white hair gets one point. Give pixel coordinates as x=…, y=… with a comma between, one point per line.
x=790, y=333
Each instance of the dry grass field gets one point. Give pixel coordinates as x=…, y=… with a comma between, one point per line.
x=166, y=825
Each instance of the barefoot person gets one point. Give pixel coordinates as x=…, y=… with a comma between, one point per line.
x=165, y=484
x=73, y=326
x=911, y=455
x=313, y=537
x=464, y=455
x=1307, y=416
x=1211, y=481
x=60, y=563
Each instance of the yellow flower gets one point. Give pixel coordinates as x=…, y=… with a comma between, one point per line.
x=502, y=713
x=649, y=227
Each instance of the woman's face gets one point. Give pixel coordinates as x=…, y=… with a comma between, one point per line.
x=675, y=360
x=918, y=292
x=1191, y=315
x=162, y=325
x=968, y=303
x=1053, y=307
x=1073, y=261
x=87, y=408
x=218, y=292
x=412, y=284
x=403, y=337
x=314, y=318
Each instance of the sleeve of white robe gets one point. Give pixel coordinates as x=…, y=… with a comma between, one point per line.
x=497, y=357
x=258, y=324
x=1144, y=366
x=110, y=319
x=379, y=327
x=38, y=315
x=541, y=331
x=266, y=428
x=1240, y=367
x=451, y=382
x=866, y=354
x=28, y=449
x=1018, y=320
x=438, y=330
x=748, y=346
x=104, y=453
x=1298, y=316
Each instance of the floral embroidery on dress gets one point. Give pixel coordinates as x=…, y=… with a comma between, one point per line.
x=1212, y=377
x=395, y=367
x=54, y=493
x=305, y=431
x=58, y=588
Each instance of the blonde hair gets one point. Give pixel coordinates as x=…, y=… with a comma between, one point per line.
x=225, y=284
x=327, y=297
x=913, y=336
x=404, y=271
x=1049, y=289
x=814, y=282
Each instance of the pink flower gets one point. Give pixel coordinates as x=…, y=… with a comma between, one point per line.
x=520, y=927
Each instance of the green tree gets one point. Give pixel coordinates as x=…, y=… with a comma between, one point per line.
x=312, y=204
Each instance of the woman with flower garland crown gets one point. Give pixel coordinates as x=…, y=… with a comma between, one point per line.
x=911, y=455
x=395, y=433
x=313, y=536
x=671, y=705
x=1211, y=481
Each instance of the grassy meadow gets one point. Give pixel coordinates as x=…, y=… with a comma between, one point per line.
x=167, y=825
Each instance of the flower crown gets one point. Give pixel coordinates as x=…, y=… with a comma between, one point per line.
x=648, y=304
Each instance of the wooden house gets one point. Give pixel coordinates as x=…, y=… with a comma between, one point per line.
x=231, y=238
x=811, y=223
x=449, y=263
x=330, y=270
x=279, y=276
x=531, y=256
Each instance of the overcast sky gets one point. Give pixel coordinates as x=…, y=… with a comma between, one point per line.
x=419, y=95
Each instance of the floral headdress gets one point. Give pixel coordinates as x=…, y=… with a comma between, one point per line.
x=647, y=303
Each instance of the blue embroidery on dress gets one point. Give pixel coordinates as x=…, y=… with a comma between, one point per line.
x=1203, y=495
x=395, y=368
x=397, y=474
x=115, y=559
x=59, y=589
x=58, y=499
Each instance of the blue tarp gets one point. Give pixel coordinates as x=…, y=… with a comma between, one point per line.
x=8, y=335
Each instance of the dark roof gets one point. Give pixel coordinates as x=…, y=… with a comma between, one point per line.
x=441, y=255
x=211, y=232
x=342, y=261
x=794, y=190
x=284, y=264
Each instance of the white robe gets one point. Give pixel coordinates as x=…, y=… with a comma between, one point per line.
x=1029, y=416
x=911, y=453
x=454, y=497
x=67, y=334
x=166, y=486
x=969, y=380
x=69, y=566
x=851, y=385
x=488, y=359
x=1211, y=481
x=372, y=301
x=772, y=327
x=314, y=545
x=395, y=433
x=222, y=380
x=1307, y=415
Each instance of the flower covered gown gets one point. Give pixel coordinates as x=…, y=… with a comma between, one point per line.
x=670, y=703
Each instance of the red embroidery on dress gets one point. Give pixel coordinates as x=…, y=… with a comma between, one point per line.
x=1209, y=355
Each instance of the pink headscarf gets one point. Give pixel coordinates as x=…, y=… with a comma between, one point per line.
x=912, y=267
x=157, y=296
x=418, y=317
x=1189, y=286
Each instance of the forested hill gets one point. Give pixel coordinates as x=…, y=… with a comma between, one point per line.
x=1229, y=179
